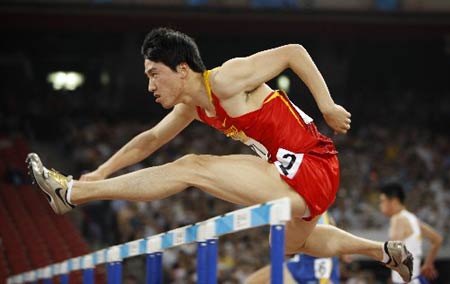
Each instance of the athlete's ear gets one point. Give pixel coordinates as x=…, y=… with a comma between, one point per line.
x=182, y=68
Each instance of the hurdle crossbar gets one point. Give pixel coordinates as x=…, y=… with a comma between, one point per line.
x=206, y=233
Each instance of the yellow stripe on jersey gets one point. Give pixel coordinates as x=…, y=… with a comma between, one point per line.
x=207, y=85
x=326, y=219
x=277, y=94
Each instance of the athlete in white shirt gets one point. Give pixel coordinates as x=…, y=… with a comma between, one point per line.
x=405, y=226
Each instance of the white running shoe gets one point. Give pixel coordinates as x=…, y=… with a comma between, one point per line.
x=53, y=184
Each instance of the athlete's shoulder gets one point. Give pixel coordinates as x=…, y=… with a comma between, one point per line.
x=399, y=218
x=219, y=82
x=228, y=80
x=215, y=84
x=400, y=227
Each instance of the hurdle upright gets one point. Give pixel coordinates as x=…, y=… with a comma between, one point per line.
x=206, y=234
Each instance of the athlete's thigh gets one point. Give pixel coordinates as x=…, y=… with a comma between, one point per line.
x=297, y=231
x=245, y=180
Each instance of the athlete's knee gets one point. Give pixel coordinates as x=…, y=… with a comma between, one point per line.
x=292, y=248
x=191, y=161
x=195, y=166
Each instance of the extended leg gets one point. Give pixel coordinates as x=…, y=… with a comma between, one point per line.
x=327, y=240
x=240, y=179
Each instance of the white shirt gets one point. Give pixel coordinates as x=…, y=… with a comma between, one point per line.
x=414, y=244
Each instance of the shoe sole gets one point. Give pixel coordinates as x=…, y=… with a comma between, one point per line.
x=407, y=262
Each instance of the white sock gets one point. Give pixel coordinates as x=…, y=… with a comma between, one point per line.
x=69, y=191
x=386, y=257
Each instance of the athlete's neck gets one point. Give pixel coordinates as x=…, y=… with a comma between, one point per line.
x=398, y=209
x=196, y=93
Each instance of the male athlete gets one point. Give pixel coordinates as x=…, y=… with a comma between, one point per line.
x=303, y=268
x=405, y=226
x=297, y=161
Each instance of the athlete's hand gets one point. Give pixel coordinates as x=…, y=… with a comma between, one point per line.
x=337, y=118
x=93, y=176
x=429, y=271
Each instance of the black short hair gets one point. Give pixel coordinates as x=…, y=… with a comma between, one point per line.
x=172, y=48
x=394, y=190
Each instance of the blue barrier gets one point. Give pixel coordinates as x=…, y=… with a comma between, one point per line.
x=274, y=213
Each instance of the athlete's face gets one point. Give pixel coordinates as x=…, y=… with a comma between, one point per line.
x=165, y=84
x=386, y=205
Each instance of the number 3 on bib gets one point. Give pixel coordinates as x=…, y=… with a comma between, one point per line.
x=288, y=162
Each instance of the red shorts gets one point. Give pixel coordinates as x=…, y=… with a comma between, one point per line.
x=317, y=182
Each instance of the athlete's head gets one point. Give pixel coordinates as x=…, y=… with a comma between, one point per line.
x=392, y=198
x=169, y=57
x=172, y=48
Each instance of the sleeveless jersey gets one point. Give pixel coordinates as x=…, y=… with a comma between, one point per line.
x=284, y=135
x=307, y=269
x=414, y=245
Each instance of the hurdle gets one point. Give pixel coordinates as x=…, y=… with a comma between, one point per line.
x=206, y=234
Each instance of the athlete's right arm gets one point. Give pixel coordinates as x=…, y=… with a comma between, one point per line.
x=145, y=143
x=245, y=74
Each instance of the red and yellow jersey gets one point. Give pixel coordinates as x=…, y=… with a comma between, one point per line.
x=284, y=135
x=277, y=124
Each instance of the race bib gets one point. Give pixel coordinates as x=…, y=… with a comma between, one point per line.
x=288, y=162
x=323, y=267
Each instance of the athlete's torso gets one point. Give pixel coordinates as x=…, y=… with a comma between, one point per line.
x=278, y=124
x=413, y=243
x=307, y=269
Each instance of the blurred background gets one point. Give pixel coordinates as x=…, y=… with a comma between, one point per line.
x=72, y=88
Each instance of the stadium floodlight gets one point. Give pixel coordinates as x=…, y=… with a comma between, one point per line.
x=66, y=81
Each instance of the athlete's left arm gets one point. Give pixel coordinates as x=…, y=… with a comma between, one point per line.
x=247, y=73
x=428, y=270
